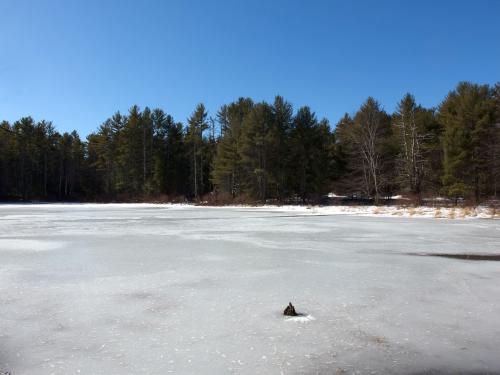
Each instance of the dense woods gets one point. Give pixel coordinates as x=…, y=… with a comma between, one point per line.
x=258, y=152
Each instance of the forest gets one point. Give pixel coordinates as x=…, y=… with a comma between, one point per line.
x=252, y=152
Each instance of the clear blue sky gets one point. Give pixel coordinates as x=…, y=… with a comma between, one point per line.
x=77, y=62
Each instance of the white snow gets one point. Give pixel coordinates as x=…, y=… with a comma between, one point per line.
x=301, y=319
x=7, y=244
x=382, y=211
x=333, y=195
x=156, y=289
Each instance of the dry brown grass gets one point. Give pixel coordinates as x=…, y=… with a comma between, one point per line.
x=468, y=212
x=438, y=213
x=463, y=212
x=452, y=214
x=493, y=212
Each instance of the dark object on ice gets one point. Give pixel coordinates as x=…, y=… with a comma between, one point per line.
x=491, y=257
x=469, y=256
x=290, y=310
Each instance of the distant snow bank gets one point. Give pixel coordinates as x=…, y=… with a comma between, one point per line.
x=422, y=211
x=482, y=212
x=94, y=205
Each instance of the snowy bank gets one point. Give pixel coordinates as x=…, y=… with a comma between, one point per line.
x=482, y=212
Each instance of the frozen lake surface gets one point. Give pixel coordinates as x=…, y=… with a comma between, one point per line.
x=151, y=289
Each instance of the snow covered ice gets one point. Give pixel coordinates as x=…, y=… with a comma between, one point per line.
x=159, y=289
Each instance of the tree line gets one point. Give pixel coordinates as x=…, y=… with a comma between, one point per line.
x=261, y=152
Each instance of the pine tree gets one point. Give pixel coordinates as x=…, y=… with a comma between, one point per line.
x=227, y=164
x=130, y=155
x=325, y=163
x=310, y=156
x=177, y=160
x=160, y=124
x=197, y=124
x=278, y=135
x=6, y=160
x=146, y=123
x=102, y=157
x=301, y=146
x=263, y=152
x=467, y=115
x=254, y=151
x=345, y=151
x=494, y=146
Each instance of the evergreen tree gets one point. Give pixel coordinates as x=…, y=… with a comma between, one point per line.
x=467, y=115
x=494, y=146
x=130, y=155
x=301, y=146
x=146, y=124
x=278, y=136
x=227, y=172
x=311, y=147
x=347, y=179
x=254, y=151
x=160, y=124
x=197, y=124
x=102, y=152
x=177, y=160
x=263, y=152
x=6, y=160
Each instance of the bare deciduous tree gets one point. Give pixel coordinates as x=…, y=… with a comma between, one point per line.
x=366, y=134
x=411, y=159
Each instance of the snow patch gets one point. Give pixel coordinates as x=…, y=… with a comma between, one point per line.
x=333, y=195
x=301, y=319
x=28, y=245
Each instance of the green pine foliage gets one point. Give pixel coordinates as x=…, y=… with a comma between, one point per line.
x=263, y=152
x=227, y=169
x=467, y=116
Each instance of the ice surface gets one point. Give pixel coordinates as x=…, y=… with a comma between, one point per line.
x=152, y=289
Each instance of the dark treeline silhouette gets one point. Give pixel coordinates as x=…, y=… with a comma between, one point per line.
x=257, y=152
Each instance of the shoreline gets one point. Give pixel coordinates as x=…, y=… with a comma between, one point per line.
x=453, y=213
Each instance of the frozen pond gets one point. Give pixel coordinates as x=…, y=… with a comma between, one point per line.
x=145, y=289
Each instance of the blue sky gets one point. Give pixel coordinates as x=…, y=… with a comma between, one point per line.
x=77, y=62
